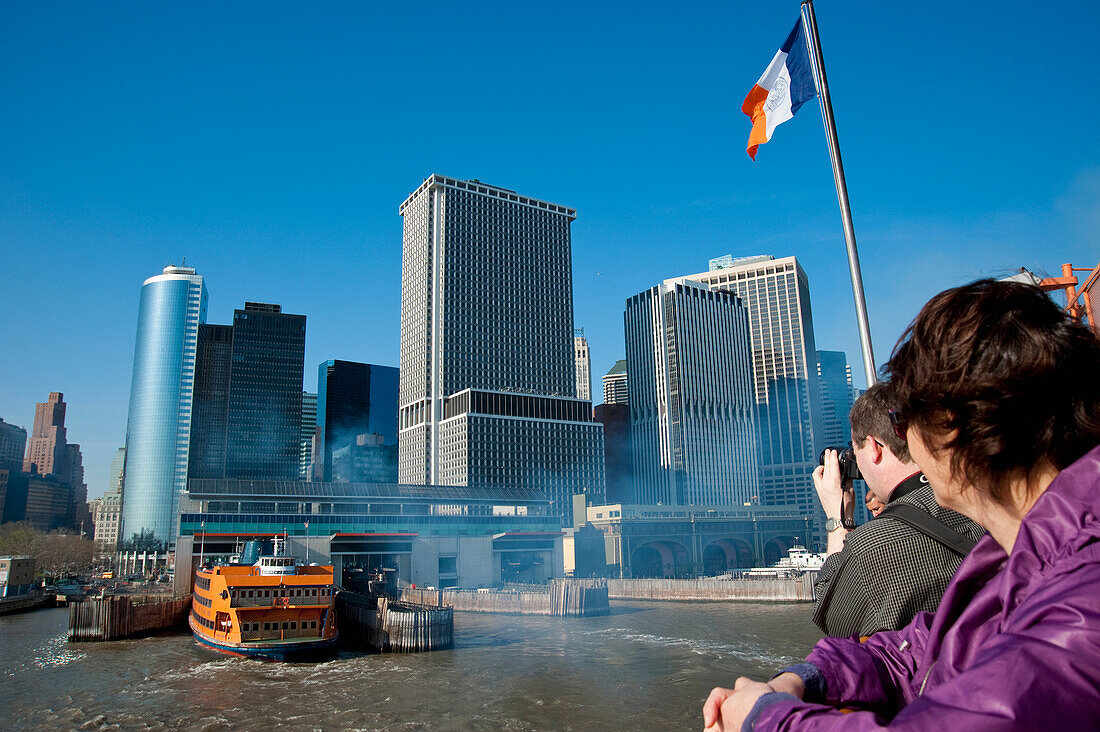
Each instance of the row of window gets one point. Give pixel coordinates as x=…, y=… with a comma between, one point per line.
x=284, y=625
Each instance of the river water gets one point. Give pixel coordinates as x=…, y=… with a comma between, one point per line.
x=649, y=665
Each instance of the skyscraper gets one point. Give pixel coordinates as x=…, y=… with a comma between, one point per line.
x=353, y=399
x=210, y=413
x=488, y=376
x=78, y=509
x=584, y=365
x=777, y=295
x=107, y=513
x=309, y=427
x=264, y=419
x=158, y=430
x=837, y=397
x=13, y=445
x=689, y=365
x=46, y=447
x=614, y=384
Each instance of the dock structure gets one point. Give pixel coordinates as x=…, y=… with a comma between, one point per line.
x=117, y=617
x=559, y=598
x=387, y=625
x=795, y=588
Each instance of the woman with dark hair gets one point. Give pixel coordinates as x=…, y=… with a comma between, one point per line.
x=999, y=400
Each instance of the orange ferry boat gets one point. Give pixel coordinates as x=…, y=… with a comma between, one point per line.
x=274, y=608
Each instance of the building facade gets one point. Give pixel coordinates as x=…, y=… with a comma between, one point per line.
x=488, y=374
x=777, y=295
x=264, y=420
x=309, y=427
x=441, y=536
x=618, y=451
x=13, y=443
x=615, y=385
x=46, y=453
x=368, y=460
x=107, y=514
x=353, y=399
x=583, y=359
x=158, y=429
x=210, y=412
x=692, y=411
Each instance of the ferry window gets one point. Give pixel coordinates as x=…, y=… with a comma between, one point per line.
x=267, y=626
x=286, y=626
x=313, y=624
x=294, y=625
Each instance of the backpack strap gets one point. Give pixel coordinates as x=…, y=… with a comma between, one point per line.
x=929, y=526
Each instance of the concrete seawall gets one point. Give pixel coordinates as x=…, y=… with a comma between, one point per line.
x=788, y=589
x=397, y=626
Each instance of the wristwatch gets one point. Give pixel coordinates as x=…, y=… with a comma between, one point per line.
x=832, y=524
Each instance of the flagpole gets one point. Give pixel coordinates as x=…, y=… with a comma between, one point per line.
x=817, y=63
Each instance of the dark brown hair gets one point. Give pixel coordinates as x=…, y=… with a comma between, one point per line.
x=1003, y=365
x=870, y=415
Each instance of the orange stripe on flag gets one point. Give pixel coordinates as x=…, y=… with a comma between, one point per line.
x=753, y=106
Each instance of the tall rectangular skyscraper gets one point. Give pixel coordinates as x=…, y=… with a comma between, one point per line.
x=615, y=390
x=309, y=428
x=158, y=430
x=46, y=448
x=692, y=406
x=777, y=295
x=263, y=440
x=488, y=375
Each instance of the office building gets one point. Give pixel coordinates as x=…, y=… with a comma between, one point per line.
x=264, y=421
x=13, y=443
x=248, y=396
x=584, y=365
x=614, y=384
x=107, y=514
x=777, y=295
x=158, y=429
x=46, y=447
x=211, y=404
x=353, y=399
x=837, y=397
x=689, y=365
x=309, y=427
x=488, y=374
x=79, y=516
x=618, y=452
x=367, y=460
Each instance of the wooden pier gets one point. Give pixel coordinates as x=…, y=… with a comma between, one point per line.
x=388, y=625
x=563, y=598
x=117, y=617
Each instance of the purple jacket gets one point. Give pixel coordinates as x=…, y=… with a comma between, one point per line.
x=1014, y=645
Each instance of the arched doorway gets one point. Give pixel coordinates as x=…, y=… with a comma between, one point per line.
x=660, y=559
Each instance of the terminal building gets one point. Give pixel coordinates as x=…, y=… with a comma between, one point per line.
x=690, y=541
x=434, y=536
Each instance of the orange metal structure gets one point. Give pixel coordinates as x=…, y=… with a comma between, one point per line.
x=1079, y=301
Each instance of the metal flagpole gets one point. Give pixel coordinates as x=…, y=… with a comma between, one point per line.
x=817, y=62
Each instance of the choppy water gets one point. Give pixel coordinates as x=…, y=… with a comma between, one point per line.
x=649, y=665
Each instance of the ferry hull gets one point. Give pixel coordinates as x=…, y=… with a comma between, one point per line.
x=280, y=651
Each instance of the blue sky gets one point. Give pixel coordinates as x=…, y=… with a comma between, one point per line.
x=271, y=143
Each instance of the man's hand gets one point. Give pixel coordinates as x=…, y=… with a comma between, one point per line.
x=830, y=491
x=725, y=709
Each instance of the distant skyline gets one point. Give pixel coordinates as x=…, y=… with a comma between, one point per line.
x=271, y=144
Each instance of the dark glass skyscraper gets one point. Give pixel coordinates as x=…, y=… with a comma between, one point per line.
x=264, y=418
x=211, y=403
x=248, y=396
x=353, y=399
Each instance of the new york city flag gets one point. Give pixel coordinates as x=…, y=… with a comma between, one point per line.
x=786, y=85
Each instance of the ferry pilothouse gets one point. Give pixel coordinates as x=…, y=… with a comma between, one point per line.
x=265, y=605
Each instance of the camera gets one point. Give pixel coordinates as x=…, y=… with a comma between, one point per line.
x=849, y=468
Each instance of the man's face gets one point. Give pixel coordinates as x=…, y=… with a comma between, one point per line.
x=872, y=475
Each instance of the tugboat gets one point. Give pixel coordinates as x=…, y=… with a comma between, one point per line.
x=265, y=605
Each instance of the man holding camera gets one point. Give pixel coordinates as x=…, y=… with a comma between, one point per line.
x=877, y=577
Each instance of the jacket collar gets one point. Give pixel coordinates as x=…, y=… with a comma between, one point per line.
x=907, y=486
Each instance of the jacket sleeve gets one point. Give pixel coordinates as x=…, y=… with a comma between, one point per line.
x=1041, y=672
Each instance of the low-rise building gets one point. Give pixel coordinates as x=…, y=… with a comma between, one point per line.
x=16, y=576
x=439, y=536
x=692, y=541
